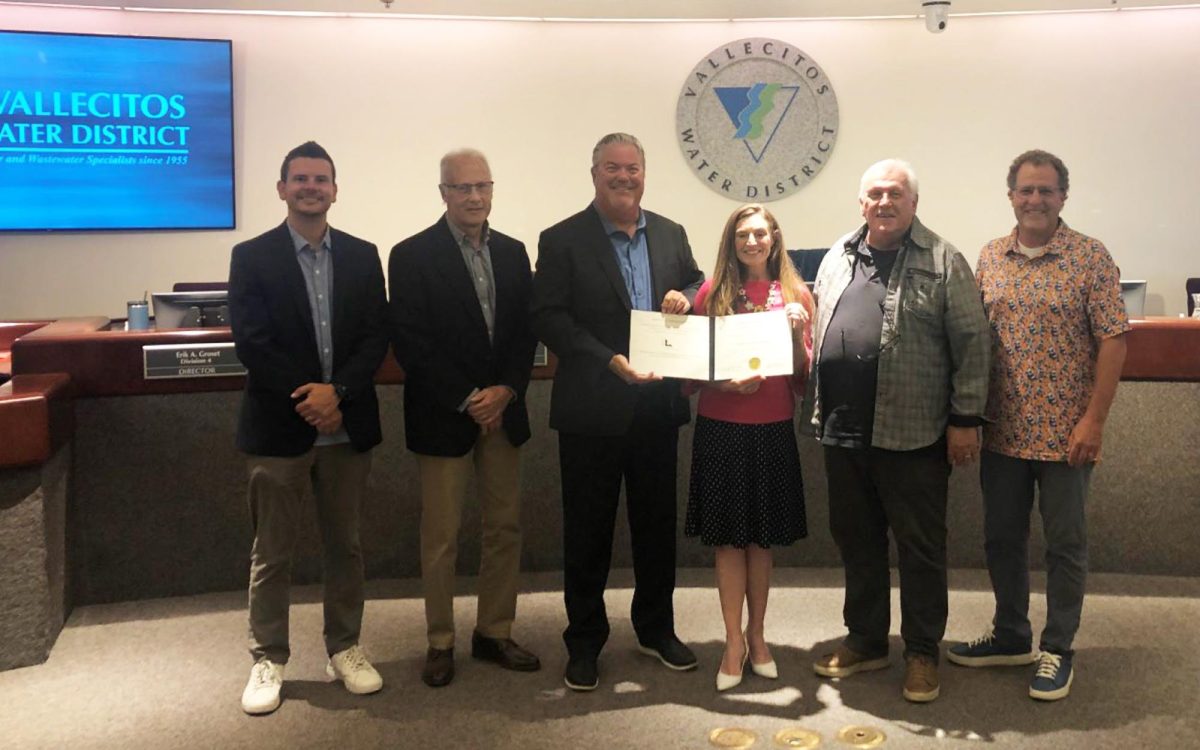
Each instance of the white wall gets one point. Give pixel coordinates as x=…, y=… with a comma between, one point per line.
x=1116, y=95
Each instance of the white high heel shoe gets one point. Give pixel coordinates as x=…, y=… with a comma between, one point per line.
x=766, y=669
x=730, y=681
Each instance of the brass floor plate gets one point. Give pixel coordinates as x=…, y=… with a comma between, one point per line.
x=732, y=737
x=861, y=737
x=797, y=737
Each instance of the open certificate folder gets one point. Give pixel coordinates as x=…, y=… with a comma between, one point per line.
x=697, y=347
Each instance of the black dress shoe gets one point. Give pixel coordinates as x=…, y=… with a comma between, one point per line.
x=582, y=674
x=671, y=652
x=505, y=652
x=439, y=667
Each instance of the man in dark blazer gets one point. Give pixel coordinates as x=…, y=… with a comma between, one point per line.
x=460, y=329
x=614, y=423
x=309, y=317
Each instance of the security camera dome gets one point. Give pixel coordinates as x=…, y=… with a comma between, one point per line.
x=937, y=15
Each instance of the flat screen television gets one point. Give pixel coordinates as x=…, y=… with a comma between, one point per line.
x=115, y=133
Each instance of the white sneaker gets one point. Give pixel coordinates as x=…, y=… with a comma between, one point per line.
x=355, y=672
x=261, y=695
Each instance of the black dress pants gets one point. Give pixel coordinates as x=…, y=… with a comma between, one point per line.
x=872, y=491
x=592, y=470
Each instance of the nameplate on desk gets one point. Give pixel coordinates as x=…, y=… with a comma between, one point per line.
x=161, y=361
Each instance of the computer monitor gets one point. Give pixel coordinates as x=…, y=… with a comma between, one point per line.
x=190, y=309
x=1133, y=292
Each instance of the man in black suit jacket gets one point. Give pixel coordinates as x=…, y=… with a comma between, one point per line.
x=460, y=327
x=613, y=422
x=309, y=317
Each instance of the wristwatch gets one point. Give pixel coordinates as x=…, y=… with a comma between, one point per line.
x=342, y=391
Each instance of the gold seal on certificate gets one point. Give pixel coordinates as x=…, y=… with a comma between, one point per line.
x=755, y=363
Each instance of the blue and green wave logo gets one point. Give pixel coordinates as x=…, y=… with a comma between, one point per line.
x=756, y=112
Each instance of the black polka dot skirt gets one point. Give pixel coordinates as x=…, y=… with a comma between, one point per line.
x=746, y=486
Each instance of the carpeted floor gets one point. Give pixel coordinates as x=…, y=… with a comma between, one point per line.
x=169, y=673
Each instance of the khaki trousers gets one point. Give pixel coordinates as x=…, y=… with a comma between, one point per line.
x=496, y=465
x=338, y=474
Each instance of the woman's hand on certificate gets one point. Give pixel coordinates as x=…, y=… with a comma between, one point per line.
x=744, y=386
x=797, y=315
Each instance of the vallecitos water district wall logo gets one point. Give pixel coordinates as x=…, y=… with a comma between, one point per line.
x=757, y=120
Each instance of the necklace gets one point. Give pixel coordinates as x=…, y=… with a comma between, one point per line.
x=774, y=299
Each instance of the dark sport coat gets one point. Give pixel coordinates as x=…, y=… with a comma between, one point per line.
x=440, y=338
x=273, y=332
x=581, y=311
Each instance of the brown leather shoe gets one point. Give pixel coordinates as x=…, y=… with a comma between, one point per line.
x=439, y=667
x=505, y=652
x=920, y=678
x=844, y=662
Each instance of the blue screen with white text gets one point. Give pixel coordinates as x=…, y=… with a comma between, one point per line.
x=104, y=132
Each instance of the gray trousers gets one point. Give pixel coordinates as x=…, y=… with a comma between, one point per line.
x=1008, y=486
x=278, y=487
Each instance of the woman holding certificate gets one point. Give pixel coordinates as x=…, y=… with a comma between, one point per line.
x=746, y=491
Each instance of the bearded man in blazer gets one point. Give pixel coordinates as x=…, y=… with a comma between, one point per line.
x=614, y=423
x=309, y=316
x=460, y=328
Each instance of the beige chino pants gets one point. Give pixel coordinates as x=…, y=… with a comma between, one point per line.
x=496, y=465
x=337, y=475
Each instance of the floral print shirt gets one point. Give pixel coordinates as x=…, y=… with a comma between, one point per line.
x=1047, y=315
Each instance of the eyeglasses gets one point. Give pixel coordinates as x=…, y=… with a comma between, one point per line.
x=1043, y=192
x=465, y=188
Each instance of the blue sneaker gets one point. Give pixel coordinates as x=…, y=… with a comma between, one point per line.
x=986, y=652
x=1052, y=681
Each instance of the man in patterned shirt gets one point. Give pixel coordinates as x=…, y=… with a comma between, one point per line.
x=901, y=352
x=1052, y=296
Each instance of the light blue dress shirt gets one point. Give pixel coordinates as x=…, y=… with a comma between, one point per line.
x=633, y=258
x=317, y=267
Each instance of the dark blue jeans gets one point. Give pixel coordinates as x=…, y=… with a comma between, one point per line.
x=1008, y=485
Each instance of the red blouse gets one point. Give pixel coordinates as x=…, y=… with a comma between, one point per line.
x=775, y=399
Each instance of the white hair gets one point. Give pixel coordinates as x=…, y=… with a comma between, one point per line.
x=886, y=166
x=461, y=154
